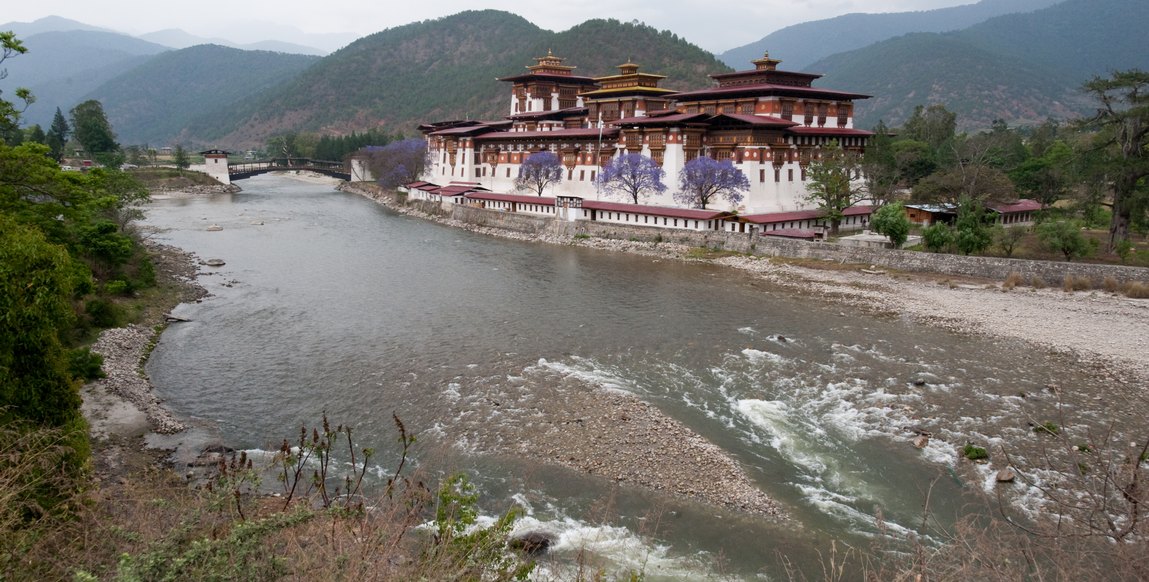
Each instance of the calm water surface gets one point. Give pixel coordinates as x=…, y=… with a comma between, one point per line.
x=329, y=302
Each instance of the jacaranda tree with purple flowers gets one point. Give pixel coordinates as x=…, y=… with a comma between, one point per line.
x=398, y=163
x=539, y=170
x=634, y=176
x=705, y=180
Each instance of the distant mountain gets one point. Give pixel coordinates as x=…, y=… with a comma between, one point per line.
x=446, y=69
x=803, y=44
x=155, y=102
x=1022, y=68
x=60, y=67
x=178, y=39
x=47, y=24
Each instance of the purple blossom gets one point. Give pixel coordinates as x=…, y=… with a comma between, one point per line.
x=538, y=171
x=704, y=180
x=633, y=176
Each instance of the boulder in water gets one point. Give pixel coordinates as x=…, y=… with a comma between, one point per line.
x=534, y=543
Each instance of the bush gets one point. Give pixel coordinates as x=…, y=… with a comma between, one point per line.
x=1013, y=280
x=1037, y=282
x=83, y=364
x=1064, y=236
x=891, y=220
x=1071, y=283
x=937, y=237
x=1110, y=284
x=104, y=313
x=1136, y=290
x=117, y=287
x=974, y=453
x=1047, y=427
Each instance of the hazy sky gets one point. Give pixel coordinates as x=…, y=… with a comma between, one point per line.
x=707, y=23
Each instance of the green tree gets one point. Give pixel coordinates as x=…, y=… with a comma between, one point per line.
x=973, y=232
x=936, y=126
x=881, y=166
x=181, y=159
x=91, y=128
x=1008, y=238
x=937, y=237
x=10, y=46
x=1064, y=236
x=36, y=134
x=58, y=134
x=1122, y=131
x=36, y=285
x=832, y=182
x=891, y=220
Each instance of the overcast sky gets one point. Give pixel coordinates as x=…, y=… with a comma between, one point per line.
x=715, y=26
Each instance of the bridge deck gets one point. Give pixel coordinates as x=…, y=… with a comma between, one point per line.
x=241, y=170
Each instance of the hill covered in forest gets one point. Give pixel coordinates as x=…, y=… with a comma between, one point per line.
x=446, y=69
x=808, y=42
x=1022, y=68
x=156, y=101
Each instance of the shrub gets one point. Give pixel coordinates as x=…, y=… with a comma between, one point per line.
x=1136, y=290
x=117, y=287
x=937, y=237
x=1071, y=283
x=1047, y=427
x=974, y=453
x=1110, y=284
x=1013, y=280
x=83, y=364
x=1123, y=249
x=891, y=220
x=104, y=313
x=1064, y=237
x=1037, y=282
x=581, y=236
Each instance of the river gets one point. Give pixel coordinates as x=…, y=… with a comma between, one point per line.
x=331, y=303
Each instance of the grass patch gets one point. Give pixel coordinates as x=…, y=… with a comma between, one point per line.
x=1136, y=290
x=974, y=452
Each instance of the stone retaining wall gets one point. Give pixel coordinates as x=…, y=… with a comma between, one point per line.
x=1052, y=272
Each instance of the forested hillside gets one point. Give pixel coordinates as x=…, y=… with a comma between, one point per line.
x=1021, y=68
x=156, y=101
x=446, y=68
x=60, y=67
x=803, y=44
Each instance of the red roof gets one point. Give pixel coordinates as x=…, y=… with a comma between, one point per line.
x=569, y=111
x=426, y=186
x=661, y=119
x=457, y=190
x=551, y=77
x=1023, y=205
x=765, y=120
x=801, y=233
x=521, y=199
x=775, y=217
x=765, y=88
x=465, y=130
x=669, y=212
x=556, y=134
x=845, y=131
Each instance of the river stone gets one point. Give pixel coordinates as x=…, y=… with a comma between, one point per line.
x=214, y=262
x=534, y=543
x=214, y=228
x=1006, y=475
x=921, y=441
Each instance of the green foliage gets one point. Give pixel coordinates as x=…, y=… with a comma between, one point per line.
x=57, y=136
x=1047, y=427
x=84, y=364
x=91, y=128
x=180, y=158
x=972, y=230
x=937, y=237
x=104, y=313
x=832, y=184
x=1063, y=236
x=240, y=554
x=103, y=241
x=471, y=552
x=446, y=69
x=1008, y=238
x=891, y=220
x=974, y=453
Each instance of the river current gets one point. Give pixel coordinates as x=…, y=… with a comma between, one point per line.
x=331, y=303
